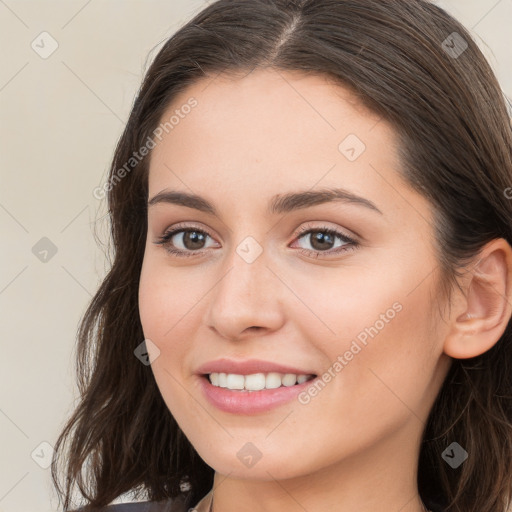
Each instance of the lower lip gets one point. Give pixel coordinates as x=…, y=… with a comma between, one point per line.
x=250, y=402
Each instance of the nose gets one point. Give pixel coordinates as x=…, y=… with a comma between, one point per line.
x=246, y=301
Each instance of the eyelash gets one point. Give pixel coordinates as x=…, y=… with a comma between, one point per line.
x=351, y=244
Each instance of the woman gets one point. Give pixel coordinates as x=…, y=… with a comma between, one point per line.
x=309, y=306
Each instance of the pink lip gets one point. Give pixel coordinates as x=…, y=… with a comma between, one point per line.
x=248, y=367
x=250, y=402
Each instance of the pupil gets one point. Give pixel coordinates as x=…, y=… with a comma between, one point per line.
x=194, y=238
x=321, y=239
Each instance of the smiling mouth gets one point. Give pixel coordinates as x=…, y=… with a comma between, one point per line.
x=256, y=381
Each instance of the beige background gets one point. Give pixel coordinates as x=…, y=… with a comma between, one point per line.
x=60, y=118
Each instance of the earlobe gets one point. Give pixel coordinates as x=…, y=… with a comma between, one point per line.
x=486, y=309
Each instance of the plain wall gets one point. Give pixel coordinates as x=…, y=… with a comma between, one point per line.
x=60, y=118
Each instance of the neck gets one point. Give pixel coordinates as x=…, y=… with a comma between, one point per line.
x=381, y=477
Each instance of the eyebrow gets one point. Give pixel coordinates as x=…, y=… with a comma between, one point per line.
x=280, y=203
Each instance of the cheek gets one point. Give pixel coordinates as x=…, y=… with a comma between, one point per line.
x=374, y=331
x=168, y=299
x=166, y=318
x=171, y=309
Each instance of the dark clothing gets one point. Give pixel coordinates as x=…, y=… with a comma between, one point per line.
x=175, y=505
x=147, y=506
x=181, y=505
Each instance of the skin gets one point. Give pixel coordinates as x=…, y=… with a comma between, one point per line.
x=355, y=445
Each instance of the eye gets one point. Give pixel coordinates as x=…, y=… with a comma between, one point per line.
x=187, y=241
x=184, y=241
x=322, y=239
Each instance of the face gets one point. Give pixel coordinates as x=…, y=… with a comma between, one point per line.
x=341, y=288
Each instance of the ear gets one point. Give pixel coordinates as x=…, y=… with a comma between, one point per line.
x=482, y=315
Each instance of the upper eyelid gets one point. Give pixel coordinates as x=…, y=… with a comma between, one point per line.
x=299, y=233
x=350, y=241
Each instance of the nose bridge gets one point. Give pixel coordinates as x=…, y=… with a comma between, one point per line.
x=245, y=295
x=246, y=270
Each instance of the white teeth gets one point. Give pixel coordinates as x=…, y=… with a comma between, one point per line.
x=222, y=380
x=289, y=379
x=256, y=381
x=273, y=380
x=235, y=381
x=301, y=379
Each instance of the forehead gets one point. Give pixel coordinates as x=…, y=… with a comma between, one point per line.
x=269, y=131
x=257, y=106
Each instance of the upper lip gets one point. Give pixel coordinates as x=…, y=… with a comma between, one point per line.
x=248, y=367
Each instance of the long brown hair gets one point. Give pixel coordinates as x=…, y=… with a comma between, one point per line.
x=407, y=61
